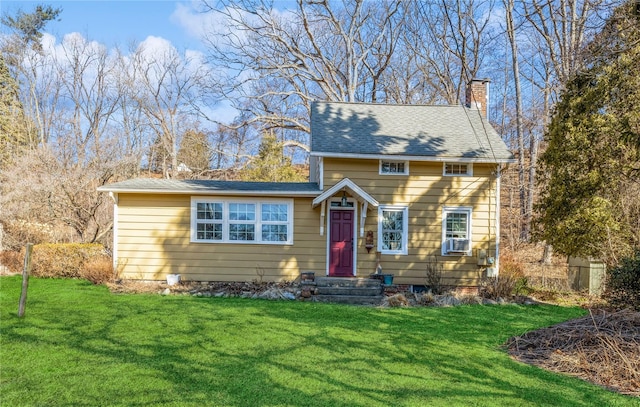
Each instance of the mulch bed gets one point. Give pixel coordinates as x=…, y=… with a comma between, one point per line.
x=602, y=348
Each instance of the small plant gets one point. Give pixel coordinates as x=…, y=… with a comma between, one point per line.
x=398, y=300
x=522, y=286
x=426, y=298
x=433, y=278
x=260, y=272
x=511, y=280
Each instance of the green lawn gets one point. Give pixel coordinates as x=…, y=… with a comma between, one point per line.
x=81, y=345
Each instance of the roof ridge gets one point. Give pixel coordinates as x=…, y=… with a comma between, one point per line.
x=389, y=104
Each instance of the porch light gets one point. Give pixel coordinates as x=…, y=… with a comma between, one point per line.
x=343, y=202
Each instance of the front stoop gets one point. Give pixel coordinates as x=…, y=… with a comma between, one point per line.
x=348, y=290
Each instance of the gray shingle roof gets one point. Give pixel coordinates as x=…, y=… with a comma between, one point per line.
x=419, y=131
x=172, y=186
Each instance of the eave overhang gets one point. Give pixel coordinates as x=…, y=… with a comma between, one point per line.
x=423, y=158
x=206, y=192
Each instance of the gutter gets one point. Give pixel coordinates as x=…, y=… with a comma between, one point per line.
x=208, y=192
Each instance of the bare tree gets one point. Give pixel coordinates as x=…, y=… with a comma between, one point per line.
x=449, y=40
x=39, y=188
x=164, y=83
x=87, y=74
x=279, y=61
x=515, y=66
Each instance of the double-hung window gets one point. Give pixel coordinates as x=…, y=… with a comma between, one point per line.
x=208, y=222
x=275, y=222
x=241, y=221
x=393, y=224
x=456, y=231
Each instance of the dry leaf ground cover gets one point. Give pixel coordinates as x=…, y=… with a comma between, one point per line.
x=602, y=347
x=80, y=344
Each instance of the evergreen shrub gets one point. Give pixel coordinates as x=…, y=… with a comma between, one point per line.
x=623, y=284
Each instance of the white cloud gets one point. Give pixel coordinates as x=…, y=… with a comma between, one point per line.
x=153, y=45
x=194, y=20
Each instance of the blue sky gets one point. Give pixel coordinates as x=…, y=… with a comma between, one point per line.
x=120, y=22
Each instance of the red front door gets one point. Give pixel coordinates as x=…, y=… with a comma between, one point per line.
x=341, y=244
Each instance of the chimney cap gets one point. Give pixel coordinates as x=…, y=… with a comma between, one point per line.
x=483, y=80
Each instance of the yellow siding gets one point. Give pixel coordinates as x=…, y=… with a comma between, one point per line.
x=154, y=230
x=425, y=191
x=154, y=240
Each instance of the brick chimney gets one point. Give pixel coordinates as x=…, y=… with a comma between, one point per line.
x=477, y=95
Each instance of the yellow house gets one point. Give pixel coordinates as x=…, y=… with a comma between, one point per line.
x=392, y=187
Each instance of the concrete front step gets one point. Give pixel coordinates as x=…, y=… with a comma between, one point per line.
x=347, y=282
x=350, y=291
x=349, y=299
x=346, y=290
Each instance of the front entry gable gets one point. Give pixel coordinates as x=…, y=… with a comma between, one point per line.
x=347, y=186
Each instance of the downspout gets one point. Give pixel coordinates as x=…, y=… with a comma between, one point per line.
x=496, y=261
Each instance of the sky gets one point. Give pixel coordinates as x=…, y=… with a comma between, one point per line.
x=119, y=22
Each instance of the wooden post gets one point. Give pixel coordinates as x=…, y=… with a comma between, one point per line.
x=25, y=279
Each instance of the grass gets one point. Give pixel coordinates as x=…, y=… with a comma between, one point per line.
x=78, y=344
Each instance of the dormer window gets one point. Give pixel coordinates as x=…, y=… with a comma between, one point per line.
x=394, y=167
x=458, y=169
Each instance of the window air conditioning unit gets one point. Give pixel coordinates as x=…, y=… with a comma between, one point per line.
x=458, y=246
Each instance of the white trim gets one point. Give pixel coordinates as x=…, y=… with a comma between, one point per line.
x=496, y=260
x=226, y=222
x=405, y=164
x=114, y=230
x=405, y=228
x=487, y=160
x=321, y=173
x=349, y=185
x=209, y=192
x=457, y=209
x=327, y=241
x=363, y=217
x=355, y=239
x=322, y=217
x=354, y=208
x=469, y=172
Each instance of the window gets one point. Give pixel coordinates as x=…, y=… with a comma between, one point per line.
x=393, y=224
x=456, y=231
x=394, y=167
x=458, y=169
x=209, y=221
x=275, y=226
x=241, y=221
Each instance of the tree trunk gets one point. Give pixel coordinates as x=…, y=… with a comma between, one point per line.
x=524, y=213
